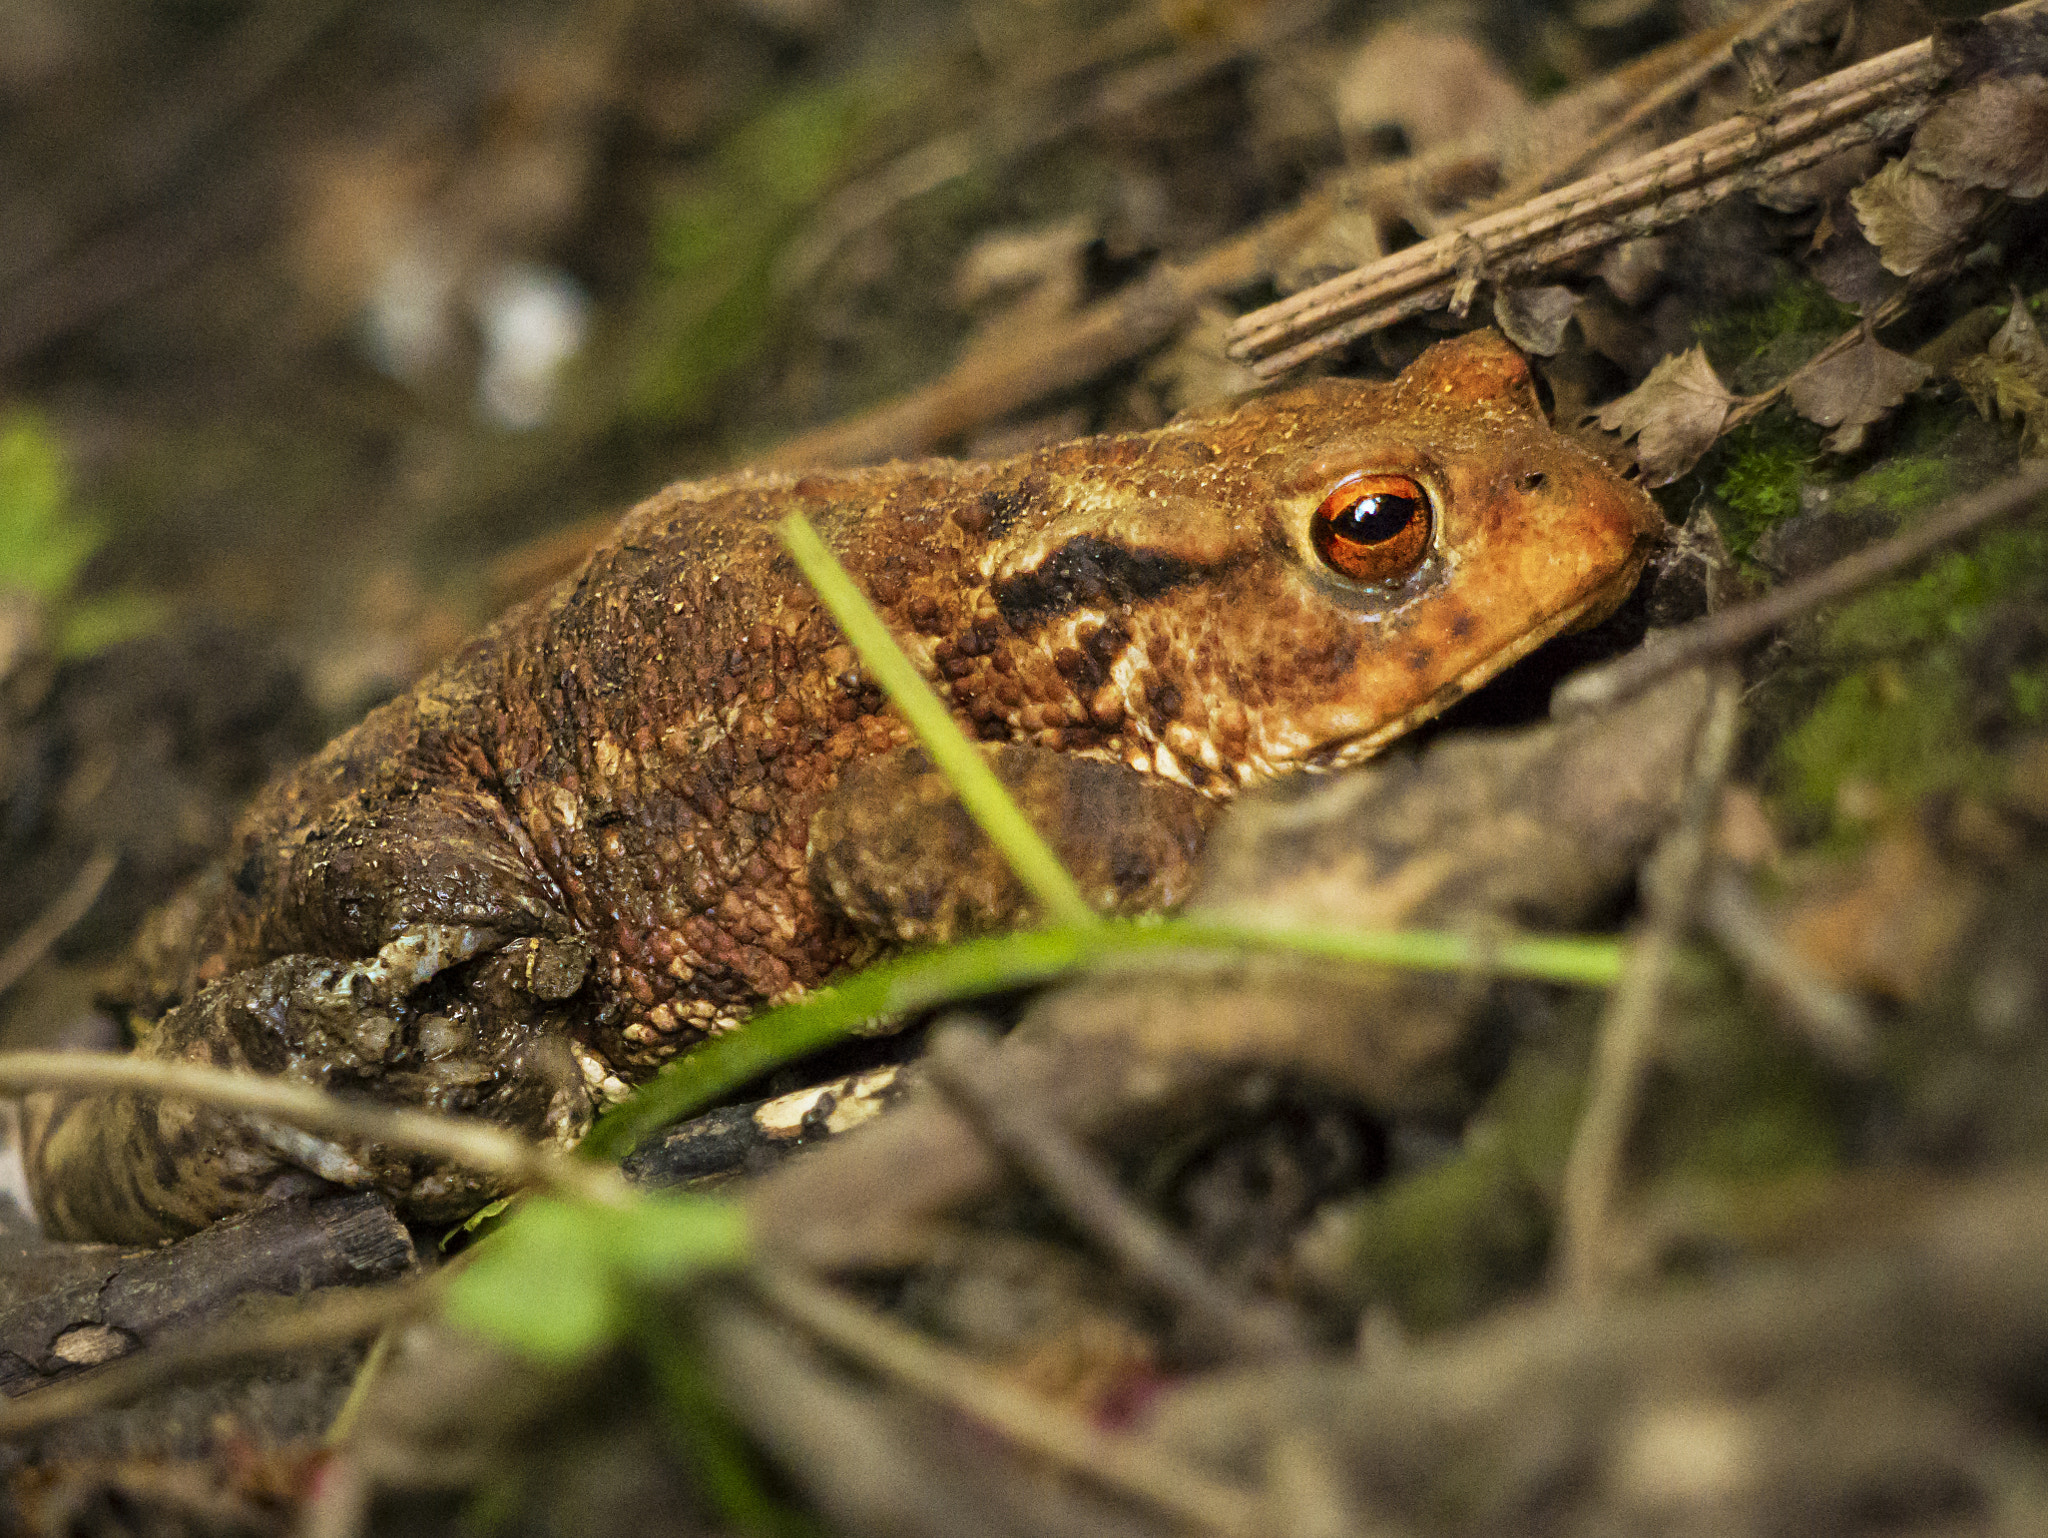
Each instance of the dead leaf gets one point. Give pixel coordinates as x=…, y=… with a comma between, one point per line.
x=1888, y=924
x=1968, y=50
x=1430, y=85
x=2009, y=379
x=1534, y=318
x=1634, y=267
x=1991, y=134
x=1674, y=415
x=1913, y=217
x=1349, y=238
x=1849, y=269
x=1858, y=386
x=1820, y=183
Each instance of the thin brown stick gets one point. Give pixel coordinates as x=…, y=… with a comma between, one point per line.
x=472, y=1144
x=960, y=1062
x=993, y=380
x=340, y=1316
x=1117, y=1462
x=1718, y=48
x=1832, y=1023
x=1731, y=629
x=66, y=909
x=1874, y=99
x=1628, y=1026
x=343, y=1426
x=1630, y=224
x=1001, y=138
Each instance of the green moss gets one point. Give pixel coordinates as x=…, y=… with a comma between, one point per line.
x=1756, y=474
x=1901, y=484
x=2027, y=689
x=1901, y=718
x=45, y=542
x=713, y=304
x=1442, y=1245
x=1445, y=1243
x=1757, y=471
x=1771, y=1140
x=1796, y=306
x=1896, y=729
x=1951, y=598
x=1740, y=1127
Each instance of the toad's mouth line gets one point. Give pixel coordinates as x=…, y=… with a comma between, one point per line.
x=1354, y=750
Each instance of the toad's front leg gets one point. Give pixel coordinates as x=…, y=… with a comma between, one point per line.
x=893, y=851
x=443, y=1017
x=408, y=950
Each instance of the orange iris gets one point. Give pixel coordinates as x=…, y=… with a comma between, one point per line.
x=1373, y=528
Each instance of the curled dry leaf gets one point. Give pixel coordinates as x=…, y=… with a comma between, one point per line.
x=1534, y=318
x=1856, y=387
x=2010, y=378
x=1674, y=415
x=1912, y=217
x=1991, y=134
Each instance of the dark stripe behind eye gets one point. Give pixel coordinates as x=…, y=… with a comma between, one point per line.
x=1089, y=572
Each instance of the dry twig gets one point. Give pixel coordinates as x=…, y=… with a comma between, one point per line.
x=1832, y=1023
x=69, y=906
x=77, y=1306
x=1628, y=1027
x=960, y=1063
x=1865, y=102
x=472, y=1144
x=1713, y=50
x=1116, y=1462
x=1002, y=377
x=340, y=1316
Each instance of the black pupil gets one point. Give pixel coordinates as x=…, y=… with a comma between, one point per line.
x=1374, y=518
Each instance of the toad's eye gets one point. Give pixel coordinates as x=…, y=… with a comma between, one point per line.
x=1373, y=528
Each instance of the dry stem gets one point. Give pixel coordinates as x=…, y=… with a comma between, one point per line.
x=66, y=909
x=1628, y=1027
x=1117, y=1462
x=1713, y=51
x=472, y=1144
x=961, y=1063
x=1832, y=1022
x=1867, y=101
x=339, y=1316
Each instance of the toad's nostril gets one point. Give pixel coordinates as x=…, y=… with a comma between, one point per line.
x=1533, y=481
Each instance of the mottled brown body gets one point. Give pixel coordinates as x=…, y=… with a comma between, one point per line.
x=581, y=846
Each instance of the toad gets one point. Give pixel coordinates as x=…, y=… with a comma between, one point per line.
x=584, y=843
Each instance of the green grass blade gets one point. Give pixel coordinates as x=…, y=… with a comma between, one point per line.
x=998, y=963
x=958, y=759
